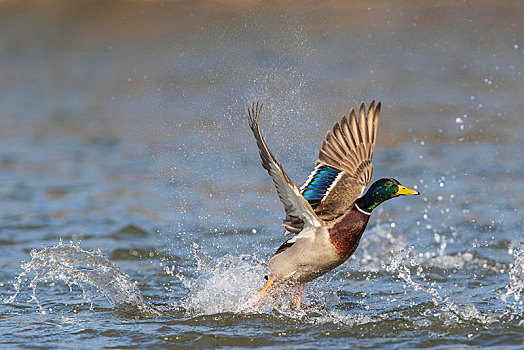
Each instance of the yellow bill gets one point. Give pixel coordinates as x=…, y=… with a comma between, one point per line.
x=406, y=191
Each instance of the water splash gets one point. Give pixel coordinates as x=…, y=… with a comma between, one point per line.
x=400, y=265
x=224, y=284
x=516, y=278
x=86, y=269
x=228, y=283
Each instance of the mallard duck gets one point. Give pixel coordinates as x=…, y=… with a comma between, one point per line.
x=329, y=212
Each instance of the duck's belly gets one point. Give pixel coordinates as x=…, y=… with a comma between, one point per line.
x=308, y=258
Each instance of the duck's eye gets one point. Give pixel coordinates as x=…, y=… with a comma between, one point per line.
x=389, y=183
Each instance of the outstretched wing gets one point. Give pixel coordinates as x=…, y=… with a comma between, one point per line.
x=343, y=169
x=298, y=211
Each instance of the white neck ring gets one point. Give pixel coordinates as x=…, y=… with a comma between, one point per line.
x=362, y=211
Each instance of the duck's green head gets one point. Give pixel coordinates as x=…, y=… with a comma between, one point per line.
x=380, y=191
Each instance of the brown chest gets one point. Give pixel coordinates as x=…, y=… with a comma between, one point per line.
x=346, y=232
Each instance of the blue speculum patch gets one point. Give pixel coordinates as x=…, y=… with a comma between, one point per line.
x=315, y=190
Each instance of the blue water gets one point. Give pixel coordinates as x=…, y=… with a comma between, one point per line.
x=124, y=129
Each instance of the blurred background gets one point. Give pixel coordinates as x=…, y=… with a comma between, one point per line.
x=123, y=124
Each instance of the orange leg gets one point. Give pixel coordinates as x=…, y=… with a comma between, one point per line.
x=255, y=298
x=266, y=287
x=298, y=296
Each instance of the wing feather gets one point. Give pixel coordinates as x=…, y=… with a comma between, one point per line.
x=333, y=143
x=299, y=213
x=348, y=148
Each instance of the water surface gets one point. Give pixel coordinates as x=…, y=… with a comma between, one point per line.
x=123, y=128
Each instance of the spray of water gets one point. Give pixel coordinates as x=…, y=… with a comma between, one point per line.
x=401, y=265
x=516, y=279
x=83, y=268
x=230, y=284
x=226, y=284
